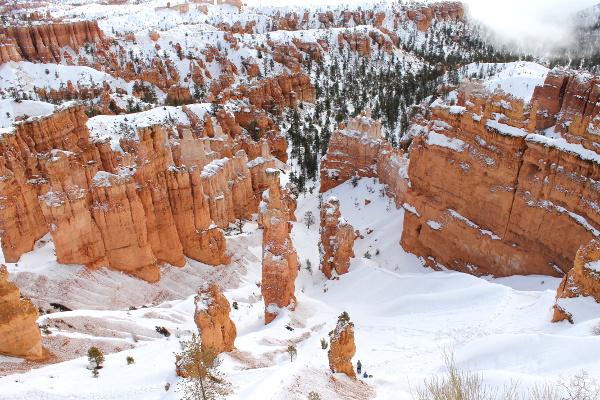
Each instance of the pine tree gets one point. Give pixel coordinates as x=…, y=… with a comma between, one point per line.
x=199, y=365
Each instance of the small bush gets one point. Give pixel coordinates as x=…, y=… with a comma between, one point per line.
x=234, y=305
x=367, y=255
x=377, y=252
x=95, y=373
x=354, y=181
x=95, y=357
x=324, y=344
x=314, y=396
x=130, y=360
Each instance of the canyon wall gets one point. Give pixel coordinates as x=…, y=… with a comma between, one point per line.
x=487, y=195
x=161, y=196
x=279, y=258
x=358, y=150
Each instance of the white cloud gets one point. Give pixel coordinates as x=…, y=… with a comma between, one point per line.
x=535, y=23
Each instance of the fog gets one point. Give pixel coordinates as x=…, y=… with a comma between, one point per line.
x=538, y=25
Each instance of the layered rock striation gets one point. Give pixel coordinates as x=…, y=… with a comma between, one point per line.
x=337, y=239
x=19, y=334
x=217, y=330
x=279, y=258
x=489, y=196
x=156, y=197
x=582, y=280
x=359, y=150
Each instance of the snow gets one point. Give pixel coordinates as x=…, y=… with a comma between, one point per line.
x=442, y=140
x=518, y=78
x=404, y=315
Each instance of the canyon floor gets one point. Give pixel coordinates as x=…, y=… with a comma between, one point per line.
x=406, y=316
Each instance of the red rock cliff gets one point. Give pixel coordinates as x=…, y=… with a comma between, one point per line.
x=489, y=196
x=358, y=149
x=43, y=42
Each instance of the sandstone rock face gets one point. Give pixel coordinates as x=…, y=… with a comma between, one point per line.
x=274, y=93
x=489, y=196
x=217, y=330
x=582, y=280
x=359, y=150
x=342, y=348
x=280, y=262
x=570, y=101
x=19, y=334
x=43, y=42
x=155, y=200
x=337, y=239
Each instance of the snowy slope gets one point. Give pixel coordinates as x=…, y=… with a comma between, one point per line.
x=405, y=317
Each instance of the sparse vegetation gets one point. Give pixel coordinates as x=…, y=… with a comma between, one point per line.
x=200, y=366
x=324, y=344
x=163, y=331
x=130, y=360
x=291, y=350
x=95, y=357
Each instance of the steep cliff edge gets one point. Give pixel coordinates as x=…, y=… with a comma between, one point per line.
x=489, y=196
x=129, y=204
x=358, y=150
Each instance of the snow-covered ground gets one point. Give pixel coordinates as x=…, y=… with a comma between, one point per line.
x=405, y=317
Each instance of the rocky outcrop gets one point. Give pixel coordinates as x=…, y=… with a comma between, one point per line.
x=582, y=280
x=358, y=149
x=337, y=239
x=273, y=94
x=19, y=334
x=490, y=196
x=342, y=347
x=153, y=201
x=570, y=101
x=424, y=15
x=44, y=42
x=217, y=330
x=280, y=262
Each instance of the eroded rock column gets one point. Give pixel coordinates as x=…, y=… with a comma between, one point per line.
x=280, y=262
x=342, y=347
x=217, y=330
x=19, y=333
x=337, y=239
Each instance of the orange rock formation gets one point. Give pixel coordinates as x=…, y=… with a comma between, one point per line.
x=337, y=239
x=489, y=196
x=582, y=280
x=217, y=330
x=19, y=334
x=358, y=149
x=280, y=262
x=342, y=347
x=155, y=201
